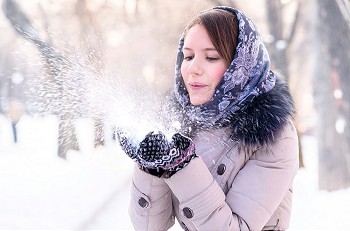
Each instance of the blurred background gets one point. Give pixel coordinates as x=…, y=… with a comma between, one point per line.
x=70, y=71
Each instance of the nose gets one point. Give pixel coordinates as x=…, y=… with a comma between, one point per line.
x=194, y=67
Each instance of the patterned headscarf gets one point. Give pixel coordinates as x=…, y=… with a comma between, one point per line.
x=248, y=76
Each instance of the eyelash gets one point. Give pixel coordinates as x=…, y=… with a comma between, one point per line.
x=210, y=59
x=188, y=58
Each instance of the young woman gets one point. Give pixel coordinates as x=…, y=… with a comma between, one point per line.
x=234, y=169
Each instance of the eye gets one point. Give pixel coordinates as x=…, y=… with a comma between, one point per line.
x=188, y=57
x=212, y=59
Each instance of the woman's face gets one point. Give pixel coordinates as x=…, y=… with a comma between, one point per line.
x=202, y=68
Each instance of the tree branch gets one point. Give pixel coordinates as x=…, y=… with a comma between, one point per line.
x=19, y=20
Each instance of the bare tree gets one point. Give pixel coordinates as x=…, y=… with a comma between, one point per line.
x=63, y=96
x=89, y=27
x=281, y=41
x=332, y=99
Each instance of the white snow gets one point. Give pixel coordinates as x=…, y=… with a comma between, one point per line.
x=315, y=209
x=39, y=190
x=90, y=190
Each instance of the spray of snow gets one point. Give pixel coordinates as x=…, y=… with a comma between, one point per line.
x=76, y=86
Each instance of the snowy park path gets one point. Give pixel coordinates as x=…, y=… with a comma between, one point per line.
x=40, y=191
x=112, y=214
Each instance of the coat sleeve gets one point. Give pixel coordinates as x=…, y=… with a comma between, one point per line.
x=151, y=202
x=256, y=192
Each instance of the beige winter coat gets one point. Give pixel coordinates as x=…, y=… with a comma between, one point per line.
x=224, y=189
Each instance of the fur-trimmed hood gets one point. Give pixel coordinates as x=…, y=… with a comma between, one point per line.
x=250, y=99
x=261, y=121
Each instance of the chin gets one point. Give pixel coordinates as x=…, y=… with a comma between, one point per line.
x=198, y=102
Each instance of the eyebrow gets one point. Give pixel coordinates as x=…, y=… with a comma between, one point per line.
x=206, y=49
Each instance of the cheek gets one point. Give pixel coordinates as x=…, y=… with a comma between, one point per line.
x=217, y=74
x=184, y=72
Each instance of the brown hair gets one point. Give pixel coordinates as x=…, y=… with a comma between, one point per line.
x=222, y=28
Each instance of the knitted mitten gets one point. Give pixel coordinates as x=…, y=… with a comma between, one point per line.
x=157, y=156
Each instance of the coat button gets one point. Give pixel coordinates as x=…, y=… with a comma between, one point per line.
x=221, y=169
x=188, y=212
x=143, y=203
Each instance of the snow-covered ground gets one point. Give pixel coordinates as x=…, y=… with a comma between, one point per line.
x=90, y=190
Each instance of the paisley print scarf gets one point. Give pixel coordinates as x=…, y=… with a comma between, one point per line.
x=248, y=76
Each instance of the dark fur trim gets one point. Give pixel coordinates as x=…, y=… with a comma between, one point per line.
x=256, y=124
x=261, y=121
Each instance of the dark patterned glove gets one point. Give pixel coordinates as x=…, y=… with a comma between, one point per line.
x=182, y=152
x=156, y=155
x=153, y=151
x=149, y=152
x=156, y=152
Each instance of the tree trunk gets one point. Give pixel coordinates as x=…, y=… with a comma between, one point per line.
x=279, y=46
x=331, y=97
x=87, y=23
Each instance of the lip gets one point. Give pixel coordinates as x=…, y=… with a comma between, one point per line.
x=197, y=85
